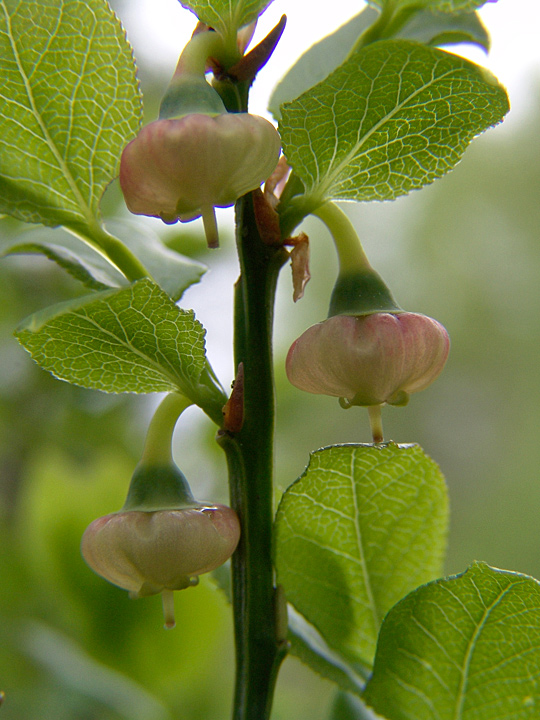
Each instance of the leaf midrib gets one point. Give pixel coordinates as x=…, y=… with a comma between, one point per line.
x=184, y=383
x=361, y=554
x=462, y=690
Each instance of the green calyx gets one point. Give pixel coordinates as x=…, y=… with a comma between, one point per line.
x=190, y=94
x=157, y=483
x=158, y=487
x=361, y=292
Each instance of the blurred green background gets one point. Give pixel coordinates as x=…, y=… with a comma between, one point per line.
x=465, y=250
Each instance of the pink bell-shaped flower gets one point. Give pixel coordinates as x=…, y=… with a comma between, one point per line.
x=182, y=168
x=369, y=359
x=152, y=552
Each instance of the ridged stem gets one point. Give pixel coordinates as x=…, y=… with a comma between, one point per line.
x=259, y=650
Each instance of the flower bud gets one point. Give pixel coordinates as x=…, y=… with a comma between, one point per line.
x=370, y=359
x=151, y=552
x=181, y=168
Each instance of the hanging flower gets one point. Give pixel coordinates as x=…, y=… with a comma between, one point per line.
x=182, y=168
x=370, y=359
x=152, y=552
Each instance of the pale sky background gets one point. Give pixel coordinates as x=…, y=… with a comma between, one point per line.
x=160, y=28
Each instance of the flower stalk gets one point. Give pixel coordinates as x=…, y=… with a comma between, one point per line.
x=158, y=443
x=359, y=289
x=162, y=539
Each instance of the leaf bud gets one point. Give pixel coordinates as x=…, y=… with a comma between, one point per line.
x=369, y=359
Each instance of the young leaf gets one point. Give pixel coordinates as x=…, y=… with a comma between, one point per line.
x=129, y=340
x=461, y=648
x=226, y=16
x=392, y=118
x=326, y=55
x=362, y=527
x=69, y=103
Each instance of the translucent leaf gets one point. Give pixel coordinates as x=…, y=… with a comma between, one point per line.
x=436, y=28
x=312, y=649
x=226, y=16
x=462, y=648
x=320, y=60
x=362, y=527
x=129, y=340
x=90, y=268
x=326, y=55
x=173, y=272
x=69, y=102
x=392, y=118
x=349, y=707
x=446, y=6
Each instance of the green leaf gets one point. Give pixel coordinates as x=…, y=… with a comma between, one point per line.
x=435, y=28
x=446, y=6
x=349, y=707
x=326, y=55
x=392, y=118
x=226, y=16
x=310, y=647
x=69, y=102
x=129, y=340
x=362, y=527
x=173, y=272
x=81, y=268
x=462, y=648
x=320, y=60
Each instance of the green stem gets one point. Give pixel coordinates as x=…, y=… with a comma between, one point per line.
x=375, y=420
x=250, y=455
x=123, y=258
x=259, y=650
x=295, y=205
x=196, y=53
x=388, y=24
x=112, y=248
x=376, y=30
x=351, y=255
x=359, y=290
x=158, y=443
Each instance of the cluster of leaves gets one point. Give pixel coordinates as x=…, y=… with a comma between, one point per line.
x=390, y=118
x=356, y=535
x=370, y=113
x=60, y=151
